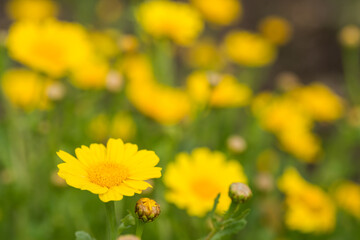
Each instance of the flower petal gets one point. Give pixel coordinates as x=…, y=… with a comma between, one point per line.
x=145, y=173
x=136, y=184
x=115, y=150
x=112, y=195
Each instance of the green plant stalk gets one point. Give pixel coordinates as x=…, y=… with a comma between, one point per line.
x=112, y=224
x=139, y=228
x=351, y=62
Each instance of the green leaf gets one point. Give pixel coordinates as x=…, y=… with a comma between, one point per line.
x=126, y=222
x=243, y=214
x=231, y=227
x=212, y=213
x=81, y=235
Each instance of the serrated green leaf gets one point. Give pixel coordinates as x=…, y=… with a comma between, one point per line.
x=231, y=227
x=126, y=222
x=216, y=202
x=243, y=214
x=81, y=235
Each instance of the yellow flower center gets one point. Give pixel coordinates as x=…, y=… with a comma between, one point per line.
x=107, y=174
x=205, y=189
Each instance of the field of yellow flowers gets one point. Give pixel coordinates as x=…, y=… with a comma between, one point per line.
x=179, y=120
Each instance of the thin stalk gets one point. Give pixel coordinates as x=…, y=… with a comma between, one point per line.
x=139, y=228
x=110, y=212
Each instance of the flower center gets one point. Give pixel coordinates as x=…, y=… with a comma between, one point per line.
x=205, y=189
x=107, y=174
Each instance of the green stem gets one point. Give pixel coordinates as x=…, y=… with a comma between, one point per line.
x=351, y=63
x=110, y=212
x=139, y=228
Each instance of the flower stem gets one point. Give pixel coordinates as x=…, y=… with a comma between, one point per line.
x=110, y=212
x=139, y=228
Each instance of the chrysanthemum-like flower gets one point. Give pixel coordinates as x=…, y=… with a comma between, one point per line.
x=195, y=180
x=114, y=171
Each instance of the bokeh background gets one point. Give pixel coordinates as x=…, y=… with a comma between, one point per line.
x=272, y=86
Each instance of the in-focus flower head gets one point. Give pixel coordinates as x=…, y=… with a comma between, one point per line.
x=26, y=89
x=219, y=12
x=194, y=180
x=50, y=46
x=249, y=49
x=308, y=208
x=175, y=20
x=112, y=172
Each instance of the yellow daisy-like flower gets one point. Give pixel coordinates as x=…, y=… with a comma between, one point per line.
x=112, y=172
x=196, y=179
x=33, y=10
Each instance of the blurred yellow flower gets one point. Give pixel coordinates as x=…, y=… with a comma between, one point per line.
x=119, y=126
x=204, y=54
x=195, y=180
x=350, y=36
x=111, y=172
x=226, y=92
x=105, y=43
x=249, y=49
x=50, y=46
x=319, y=101
x=175, y=20
x=25, y=89
x=347, y=196
x=90, y=74
x=220, y=12
x=33, y=10
x=164, y=104
x=308, y=208
x=276, y=29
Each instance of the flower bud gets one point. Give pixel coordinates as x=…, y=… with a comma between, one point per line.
x=147, y=209
x=236, y=144
x=128, y=237
x=350, y=36
x=239, y=192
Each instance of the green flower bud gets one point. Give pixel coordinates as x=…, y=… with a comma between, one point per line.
x=239, y=192
x=147, y=209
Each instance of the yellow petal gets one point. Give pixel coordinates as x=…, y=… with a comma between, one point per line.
x=115, y=150
x=111, y=195
x=126, y=190
x=144, y=158
x=73, y=168
x=82, y=183
x=66, y=157
x=145, y=173
x=136, y=184
x=99, y=151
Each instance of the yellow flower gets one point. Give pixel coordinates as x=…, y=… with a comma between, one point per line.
x=308, y=208
x=276, y=29
x=26, y=89
x=90, y=74
x=33, y=10
x=204, y=54
x=220, y=12
x=347, y=196
x=112, y=172
x=105, y=43
x=350, y=36
x=168, y=105
x=195, y=180
x=175, y=20
x=226, y=92
x=319, y=102
x=249, y=49
x=50, y=46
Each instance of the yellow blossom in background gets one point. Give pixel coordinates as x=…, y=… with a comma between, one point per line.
x=50, y=46
x=32, y=10
x=175, y=20
x=347, y=196
x=105, y=43
x=308, y=208
x=90, y=74
x=218, y=90
x=276, y=29
x=112, y=172
x=319, y=101
x=121, y=126
x=230, y=93
x=194, y=180
x=25, y=89
x=204, y=54
x=350, y=36
x=301, y=143
x=220, y=12
x=249, y=49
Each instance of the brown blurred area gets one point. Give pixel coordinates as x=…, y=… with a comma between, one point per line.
x=313, y=53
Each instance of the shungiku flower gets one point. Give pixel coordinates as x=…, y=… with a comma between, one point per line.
x=112, y=172
x=195, y=180
x=175, y=20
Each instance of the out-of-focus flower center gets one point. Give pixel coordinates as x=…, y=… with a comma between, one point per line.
x=107, y=174
x=205, y=188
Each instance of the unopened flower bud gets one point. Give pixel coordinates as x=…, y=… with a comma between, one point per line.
x=147, y=209
x=239, y=192
x=236, y=144
x=128, y=237
x=350, y=36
